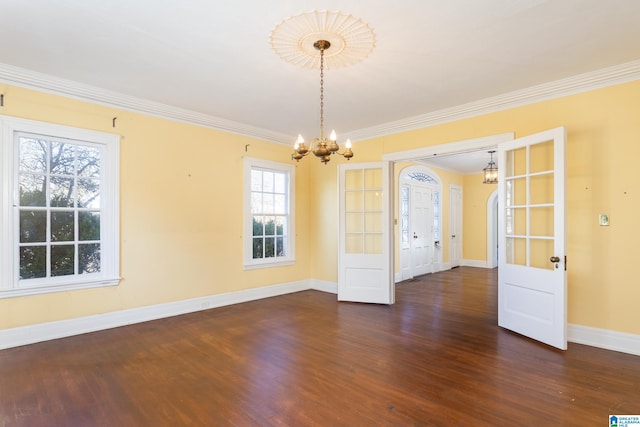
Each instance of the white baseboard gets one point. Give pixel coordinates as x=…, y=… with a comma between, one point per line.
x=603, y=338
x=64, y=328
x=324, y=286
x=474, y=263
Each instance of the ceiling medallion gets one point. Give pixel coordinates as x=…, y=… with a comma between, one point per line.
x=351, y=39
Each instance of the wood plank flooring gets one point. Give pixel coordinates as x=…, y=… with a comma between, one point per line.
x=435, y=358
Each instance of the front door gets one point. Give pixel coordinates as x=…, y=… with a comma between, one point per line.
x=421, y=230
x=532, y=278
x=365, y=258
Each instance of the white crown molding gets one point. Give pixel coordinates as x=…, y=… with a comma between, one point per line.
x=610, y=76
x=43, y=82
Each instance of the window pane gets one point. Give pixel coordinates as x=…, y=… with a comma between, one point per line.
x=269, y=247
x=33, y=226
x=88, y=161
x=89, y=258
x=256, y=203
x=61, y=192
x=32, y=190
x=258, y=247
x=280, y=246
x=281, y=225
x=267, y=182
x=33, y=261
x=280, y=204
x=270, y=226
x=280, y=183
x=33, y=155
x=88, y=226
x=89, y=193
x=62, y=159
x=62, y=259
x=62, y=228
x=267, y=203
x=256, y=180
x=258, y=226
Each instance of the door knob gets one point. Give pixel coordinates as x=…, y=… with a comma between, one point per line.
x=554, y=259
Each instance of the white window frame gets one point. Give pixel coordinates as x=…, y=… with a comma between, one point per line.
x=250, y=263
x=109, y=144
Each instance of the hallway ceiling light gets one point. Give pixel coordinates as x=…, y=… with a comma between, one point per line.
x=305, y=40
x=491, y=171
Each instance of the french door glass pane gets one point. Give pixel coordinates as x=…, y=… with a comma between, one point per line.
x=542, y=221
x=541, y=189
x=516, y=251
x=541, y=157
x=540, y=250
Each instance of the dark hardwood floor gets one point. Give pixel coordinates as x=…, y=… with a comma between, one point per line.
x=435, y=358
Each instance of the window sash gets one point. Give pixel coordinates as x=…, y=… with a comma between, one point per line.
x=268, y=219
x=69, y=220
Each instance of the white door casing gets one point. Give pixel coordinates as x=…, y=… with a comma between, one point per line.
x=365, y=255
x=455, y=225
x=532, y=278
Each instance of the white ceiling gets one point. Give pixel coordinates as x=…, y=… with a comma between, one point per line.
x=213, y=58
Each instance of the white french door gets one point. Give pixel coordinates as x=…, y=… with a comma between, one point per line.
x=365, y=258
x=532, y=278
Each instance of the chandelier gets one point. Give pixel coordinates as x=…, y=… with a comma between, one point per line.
x=490, y=172
x=299, y=38
x=324, y=147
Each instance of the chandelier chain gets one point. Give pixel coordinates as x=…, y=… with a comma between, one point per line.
x=321, y=94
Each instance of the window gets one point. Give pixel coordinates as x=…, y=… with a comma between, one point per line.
x=269, y=220
x=60, y=216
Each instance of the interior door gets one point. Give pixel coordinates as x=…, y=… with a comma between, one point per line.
x=455, y=225
x=421, y=230
x=365, y=257
x=532, y=284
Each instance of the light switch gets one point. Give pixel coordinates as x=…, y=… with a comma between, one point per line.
x=604, y=220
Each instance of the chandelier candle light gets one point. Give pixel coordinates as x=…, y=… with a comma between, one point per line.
x=298, y=40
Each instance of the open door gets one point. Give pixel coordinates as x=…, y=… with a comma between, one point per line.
x=365, y=258
x=532, y=278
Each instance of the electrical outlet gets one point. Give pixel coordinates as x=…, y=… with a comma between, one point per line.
x=603, y=220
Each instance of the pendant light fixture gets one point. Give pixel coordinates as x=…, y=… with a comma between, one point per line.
x=491, y=171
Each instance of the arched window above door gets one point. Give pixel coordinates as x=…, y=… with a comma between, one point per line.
x=421, y=177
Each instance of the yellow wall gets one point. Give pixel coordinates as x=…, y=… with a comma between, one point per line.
x=181, y=204
x=475, y=196
x=181, y=212
x=603, y=149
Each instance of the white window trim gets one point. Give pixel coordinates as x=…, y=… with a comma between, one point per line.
x=110, y=209
x=249, y=262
